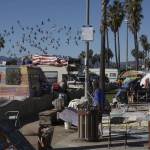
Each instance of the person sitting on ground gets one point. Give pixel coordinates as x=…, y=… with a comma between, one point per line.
x=131, y=94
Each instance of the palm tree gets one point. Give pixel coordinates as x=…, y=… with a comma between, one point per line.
x=140, y=56
x=90, y=54
x=102, y=31
x=133, y=53
x=2, y=42
x=133, y=9
x=121, y=18
x=107, y=39
x=82, y=54
x=143, y=55
x=146, y=47
x=106, y=56
x=98, y=57
x=115, y=18
x=109, y=55
x=144, y=43
x=95, y=58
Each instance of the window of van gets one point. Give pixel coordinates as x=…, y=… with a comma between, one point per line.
x=112, y=74
x=52, y=76
x=35, y=78
x=13, y=76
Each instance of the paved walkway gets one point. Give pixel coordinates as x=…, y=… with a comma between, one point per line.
x=68, y=140
x=71, y=143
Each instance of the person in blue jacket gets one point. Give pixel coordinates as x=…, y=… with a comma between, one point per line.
x=99, y=98
x=99, y=103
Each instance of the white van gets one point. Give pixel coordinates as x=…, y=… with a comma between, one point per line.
x=112, y=74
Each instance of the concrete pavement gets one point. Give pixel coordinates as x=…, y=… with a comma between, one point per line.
x=68, y=139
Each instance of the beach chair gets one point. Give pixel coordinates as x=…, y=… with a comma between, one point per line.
x=142, y=95
x=117, y=126
x=13, y=116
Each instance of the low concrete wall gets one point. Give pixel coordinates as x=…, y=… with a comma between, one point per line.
x=29, y=106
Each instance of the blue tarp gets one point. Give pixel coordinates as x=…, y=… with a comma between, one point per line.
x=118, y=93
x=128, y=84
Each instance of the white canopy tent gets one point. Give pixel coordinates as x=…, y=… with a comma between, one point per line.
x=144, y=79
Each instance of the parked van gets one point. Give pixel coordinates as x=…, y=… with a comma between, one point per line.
x=24, y=88
x=112, y=74
x=55, y=74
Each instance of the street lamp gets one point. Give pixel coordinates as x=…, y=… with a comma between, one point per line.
x=127, y=22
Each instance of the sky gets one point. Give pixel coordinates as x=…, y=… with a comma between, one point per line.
x=54, y=27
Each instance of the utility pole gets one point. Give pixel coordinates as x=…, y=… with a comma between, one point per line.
x=87, y=49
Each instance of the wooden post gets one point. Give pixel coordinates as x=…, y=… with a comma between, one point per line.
x=148, y=134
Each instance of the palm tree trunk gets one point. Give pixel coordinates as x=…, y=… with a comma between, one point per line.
x=147, y=60
x=137, y=50
x=116, y=49
x=108, y=63
x=102, y=29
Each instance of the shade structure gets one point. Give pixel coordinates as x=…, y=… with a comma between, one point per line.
x=69, y=115
x=131, y=73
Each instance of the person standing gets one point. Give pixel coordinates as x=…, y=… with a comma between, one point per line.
x=99, y=103
x=131, y=93
x=99, y=98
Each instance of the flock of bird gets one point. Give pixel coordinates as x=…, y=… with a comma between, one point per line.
x=41, y=37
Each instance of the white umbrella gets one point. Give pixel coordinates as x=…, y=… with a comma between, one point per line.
x=144, y=79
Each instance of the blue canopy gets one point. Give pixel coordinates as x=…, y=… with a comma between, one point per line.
x=128, y=84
